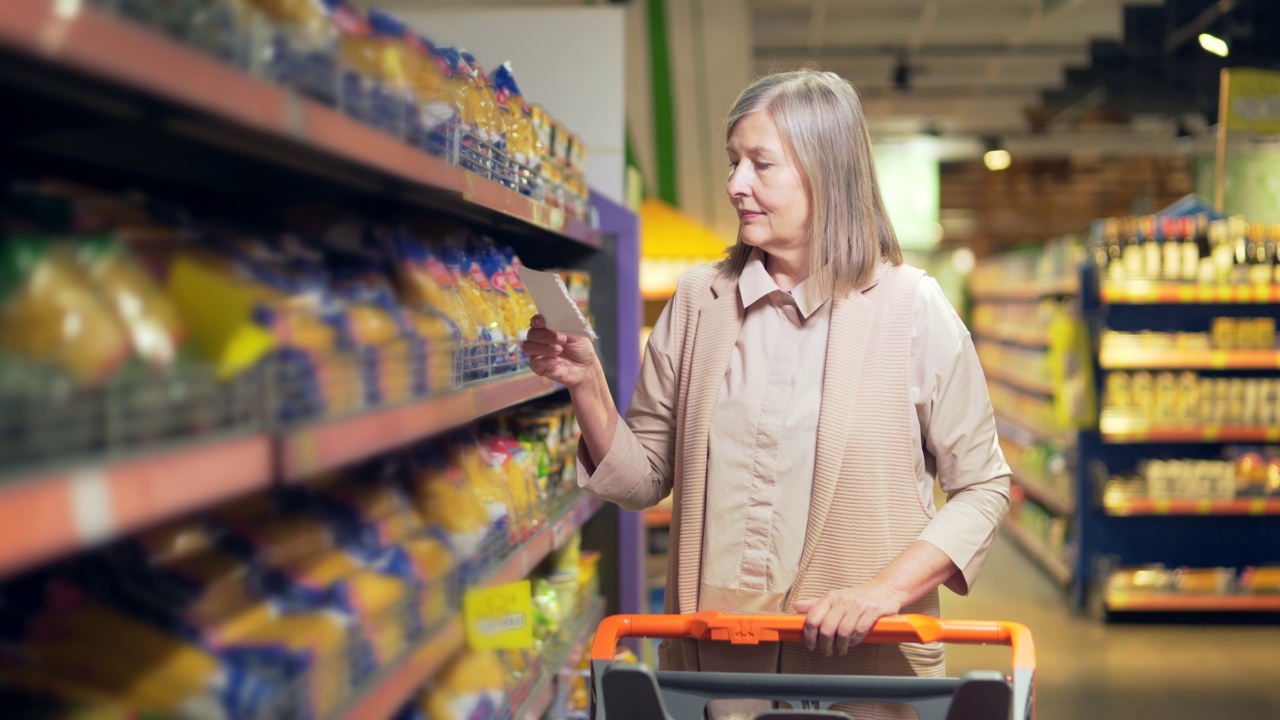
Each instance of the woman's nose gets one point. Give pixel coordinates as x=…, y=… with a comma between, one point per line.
x=738, y=186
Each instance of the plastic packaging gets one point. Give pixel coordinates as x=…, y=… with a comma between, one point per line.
x=51, y=312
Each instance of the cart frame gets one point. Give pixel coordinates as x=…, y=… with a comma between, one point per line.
x=634, y=692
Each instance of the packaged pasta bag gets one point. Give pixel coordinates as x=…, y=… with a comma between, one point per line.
x=394, y=100
x=528, y=308
x=436, y=112
x=471, y=687
x=517, y=117
x=433, y=563
x=366, y=511
x=452, y=509
x=298, y=46
x=477, y=297
x=486, y=471
x=55, y=636
x=52, y=312
x=491, y=126
x=146, y=312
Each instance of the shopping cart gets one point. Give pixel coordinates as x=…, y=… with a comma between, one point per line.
x=629, y=691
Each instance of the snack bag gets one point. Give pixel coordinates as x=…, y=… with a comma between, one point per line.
x=147, y=313
x=528, y=308
x=430, y=87
x=433, y=564
x=471, y=289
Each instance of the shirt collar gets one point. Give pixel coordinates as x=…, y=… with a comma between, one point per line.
x=756, y=283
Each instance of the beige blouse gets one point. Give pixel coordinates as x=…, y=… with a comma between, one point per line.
x=764, y=429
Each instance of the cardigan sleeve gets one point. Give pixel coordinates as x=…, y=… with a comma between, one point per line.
x=958, y=428
x=637, y=471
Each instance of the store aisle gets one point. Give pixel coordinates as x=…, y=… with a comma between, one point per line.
x=1092, y=671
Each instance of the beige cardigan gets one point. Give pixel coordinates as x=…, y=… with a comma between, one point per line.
x=865, y=508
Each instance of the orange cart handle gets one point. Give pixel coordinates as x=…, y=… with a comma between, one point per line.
x=755, y=629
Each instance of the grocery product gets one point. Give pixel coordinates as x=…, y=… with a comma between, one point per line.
x=517, y=118
x=147, y=313
x=53, y=313
x=453, y=510
x=472, y=686
x=298, y=47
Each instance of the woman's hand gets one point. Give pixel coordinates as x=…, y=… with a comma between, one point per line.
x=842, y=618
x=567, y=359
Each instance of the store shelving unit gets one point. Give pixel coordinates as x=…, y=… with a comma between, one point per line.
x=389, y=692
x=1166, y=293
x=1009, y=327
x=163, y=101
x=1123, y=531
x=1055, y=566
x=1170, y=602
x=333, y=443
x=1127, y=506
x=1114, y=358
x=65, y=510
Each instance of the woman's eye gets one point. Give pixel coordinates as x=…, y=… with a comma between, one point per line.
x=763, y=166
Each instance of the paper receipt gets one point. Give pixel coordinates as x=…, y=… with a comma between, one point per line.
x=554, y=303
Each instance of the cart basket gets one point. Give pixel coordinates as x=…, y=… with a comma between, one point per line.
x=629, y=691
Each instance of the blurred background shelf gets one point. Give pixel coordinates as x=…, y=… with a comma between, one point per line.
x=1050, y=499
x=1027, y=291
x=1113, y=358
x=1164, y=293
x=1155, y=601
x=1127, y=433
x=1026, y=337
x=1181, y=506
x=1036, y=550
x=1039, y=386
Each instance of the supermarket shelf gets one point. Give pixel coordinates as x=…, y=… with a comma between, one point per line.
x=398, y=683
x=58, y=512
x=1168, y=293
x=658, y=516
x=1027, y=431
x=1156, y=601
x=1024, y=338
x=1120, y=506
x=546, y=540
x=333, y=443
x=88, y=42
x=1049, y=499
x=1122, y=432
x=1056, y=568
x=1113, y=358
x=1018, y=382
x=1028, y=291
x=542, y=698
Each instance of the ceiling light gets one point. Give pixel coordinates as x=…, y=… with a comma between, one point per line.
x=1214, y=44
x=996, y=157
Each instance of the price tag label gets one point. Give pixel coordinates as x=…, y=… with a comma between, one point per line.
x=1212, y=433
x=500, y=617
x=1162, y=506
x=1272, y=435
x=1186, y=294
x=1218, y=359
x=1258, y=506
x=1204, y=507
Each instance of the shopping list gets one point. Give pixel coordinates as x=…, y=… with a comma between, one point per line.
x=555, y=304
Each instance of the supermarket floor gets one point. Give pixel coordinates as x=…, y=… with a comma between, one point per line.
x=1093, y=671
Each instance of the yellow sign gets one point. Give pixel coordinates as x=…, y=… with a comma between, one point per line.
x=1252, y=101
x=499, y=617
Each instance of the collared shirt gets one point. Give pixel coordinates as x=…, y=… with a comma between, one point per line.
x=764, y=435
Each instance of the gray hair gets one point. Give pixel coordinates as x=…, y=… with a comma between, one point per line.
x=820, y=119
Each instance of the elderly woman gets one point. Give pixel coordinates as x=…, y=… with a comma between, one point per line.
x=800, y=398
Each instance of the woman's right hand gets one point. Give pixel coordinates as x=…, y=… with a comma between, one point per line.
x=567, y=359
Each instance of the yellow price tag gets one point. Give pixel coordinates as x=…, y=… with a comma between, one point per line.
x=1258, y=506
x=1204, y=507
x=1162, y=506
x=1272, y=435
x=1218, y=359
x=1186, y=293
x=499, y=617
x=1212, y=433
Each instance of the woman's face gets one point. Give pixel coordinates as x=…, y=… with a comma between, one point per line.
x=766, y=188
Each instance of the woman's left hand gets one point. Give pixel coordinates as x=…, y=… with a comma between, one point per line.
x=842, y=618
